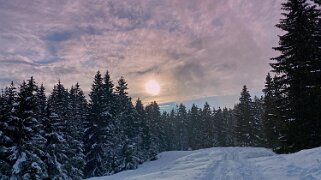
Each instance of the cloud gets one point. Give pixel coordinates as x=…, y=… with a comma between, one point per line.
x=59, y=36
x=193, y=49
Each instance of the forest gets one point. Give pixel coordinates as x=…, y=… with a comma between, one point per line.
x=64, y=136
x=68, y=136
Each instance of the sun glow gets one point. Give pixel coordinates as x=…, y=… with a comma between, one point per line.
x=152, y=87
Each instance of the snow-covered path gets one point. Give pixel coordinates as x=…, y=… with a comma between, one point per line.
x=227, y=163
x=219, y=163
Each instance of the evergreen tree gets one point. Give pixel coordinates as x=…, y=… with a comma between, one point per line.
x=220, y=125
x=112, y=128
x=171, y=131
x=207, y=126
x=299, y=76
x=56, y=146
x=156, y=132
x=167, y=132
x=27, y=152
x=98, y=132
x=244, y=119
x=130, y=123
x=78, y=107
x=65, y=146
x=259, y=138
x=271, y=114
x=8, y=104
x=77, y=117
x=230, y=123
x=144, y=140
x=194, y=128
x=181, y=128
x=41, y=102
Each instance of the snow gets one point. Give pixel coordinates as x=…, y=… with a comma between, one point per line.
x=17, y=165
x=106, y=113
x=35, y=166
x=227, y=163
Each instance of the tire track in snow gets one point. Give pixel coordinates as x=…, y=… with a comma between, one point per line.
x=229, y=167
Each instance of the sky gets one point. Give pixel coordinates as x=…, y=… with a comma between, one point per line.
x=194, y=49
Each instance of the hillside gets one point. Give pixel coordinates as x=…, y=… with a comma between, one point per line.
x=227, y=163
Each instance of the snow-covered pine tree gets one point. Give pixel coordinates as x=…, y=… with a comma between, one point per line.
x=167, y=132
x=62, y=147
x=27, y=151
x=59, y=104
x=171, y=131
x=228, y=117
x=244, y=119
x=112, y=126
x=47, y=132
x=41, y=102
x=181, y=127
x=207, y=126
x=259, y=138
x=77, y=116
x=271, y=121
x=220, y=124
x=129, y=122
x=156, y=132
x=97, y=133
x=299, y=76
x=8, y=101
x=194, y=128
x=56, y=146
x=78, y=107
x=144, y=135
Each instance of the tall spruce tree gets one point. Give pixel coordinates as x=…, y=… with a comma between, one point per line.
x=56, y=146
x=181, y=128
x=299, y=76
x=112, y=127
x=207, y=126
x=144, y=139
x=78, y=107
x=230, y=124
x=259, y=137
x=77, y=116
x=244, y=119
x=167, y=130
x=65, y=147
x=194, y=128
x=271, y=116
x=129, y=122
x=97, y=133
x=220, y=124
x=156, y=132
x=27, y=152
x=41, y=102
x=8, y=105
x=171, y=130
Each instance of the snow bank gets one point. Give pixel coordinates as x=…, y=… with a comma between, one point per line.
x=227, y=163
x=303, y=165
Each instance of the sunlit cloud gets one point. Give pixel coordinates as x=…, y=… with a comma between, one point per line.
x=193, y=49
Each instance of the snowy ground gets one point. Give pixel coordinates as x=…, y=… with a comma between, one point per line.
x=233, y=163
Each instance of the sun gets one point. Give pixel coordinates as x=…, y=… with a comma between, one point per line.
x=152, y=87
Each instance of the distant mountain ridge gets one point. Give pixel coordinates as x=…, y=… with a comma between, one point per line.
x=214, y=101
